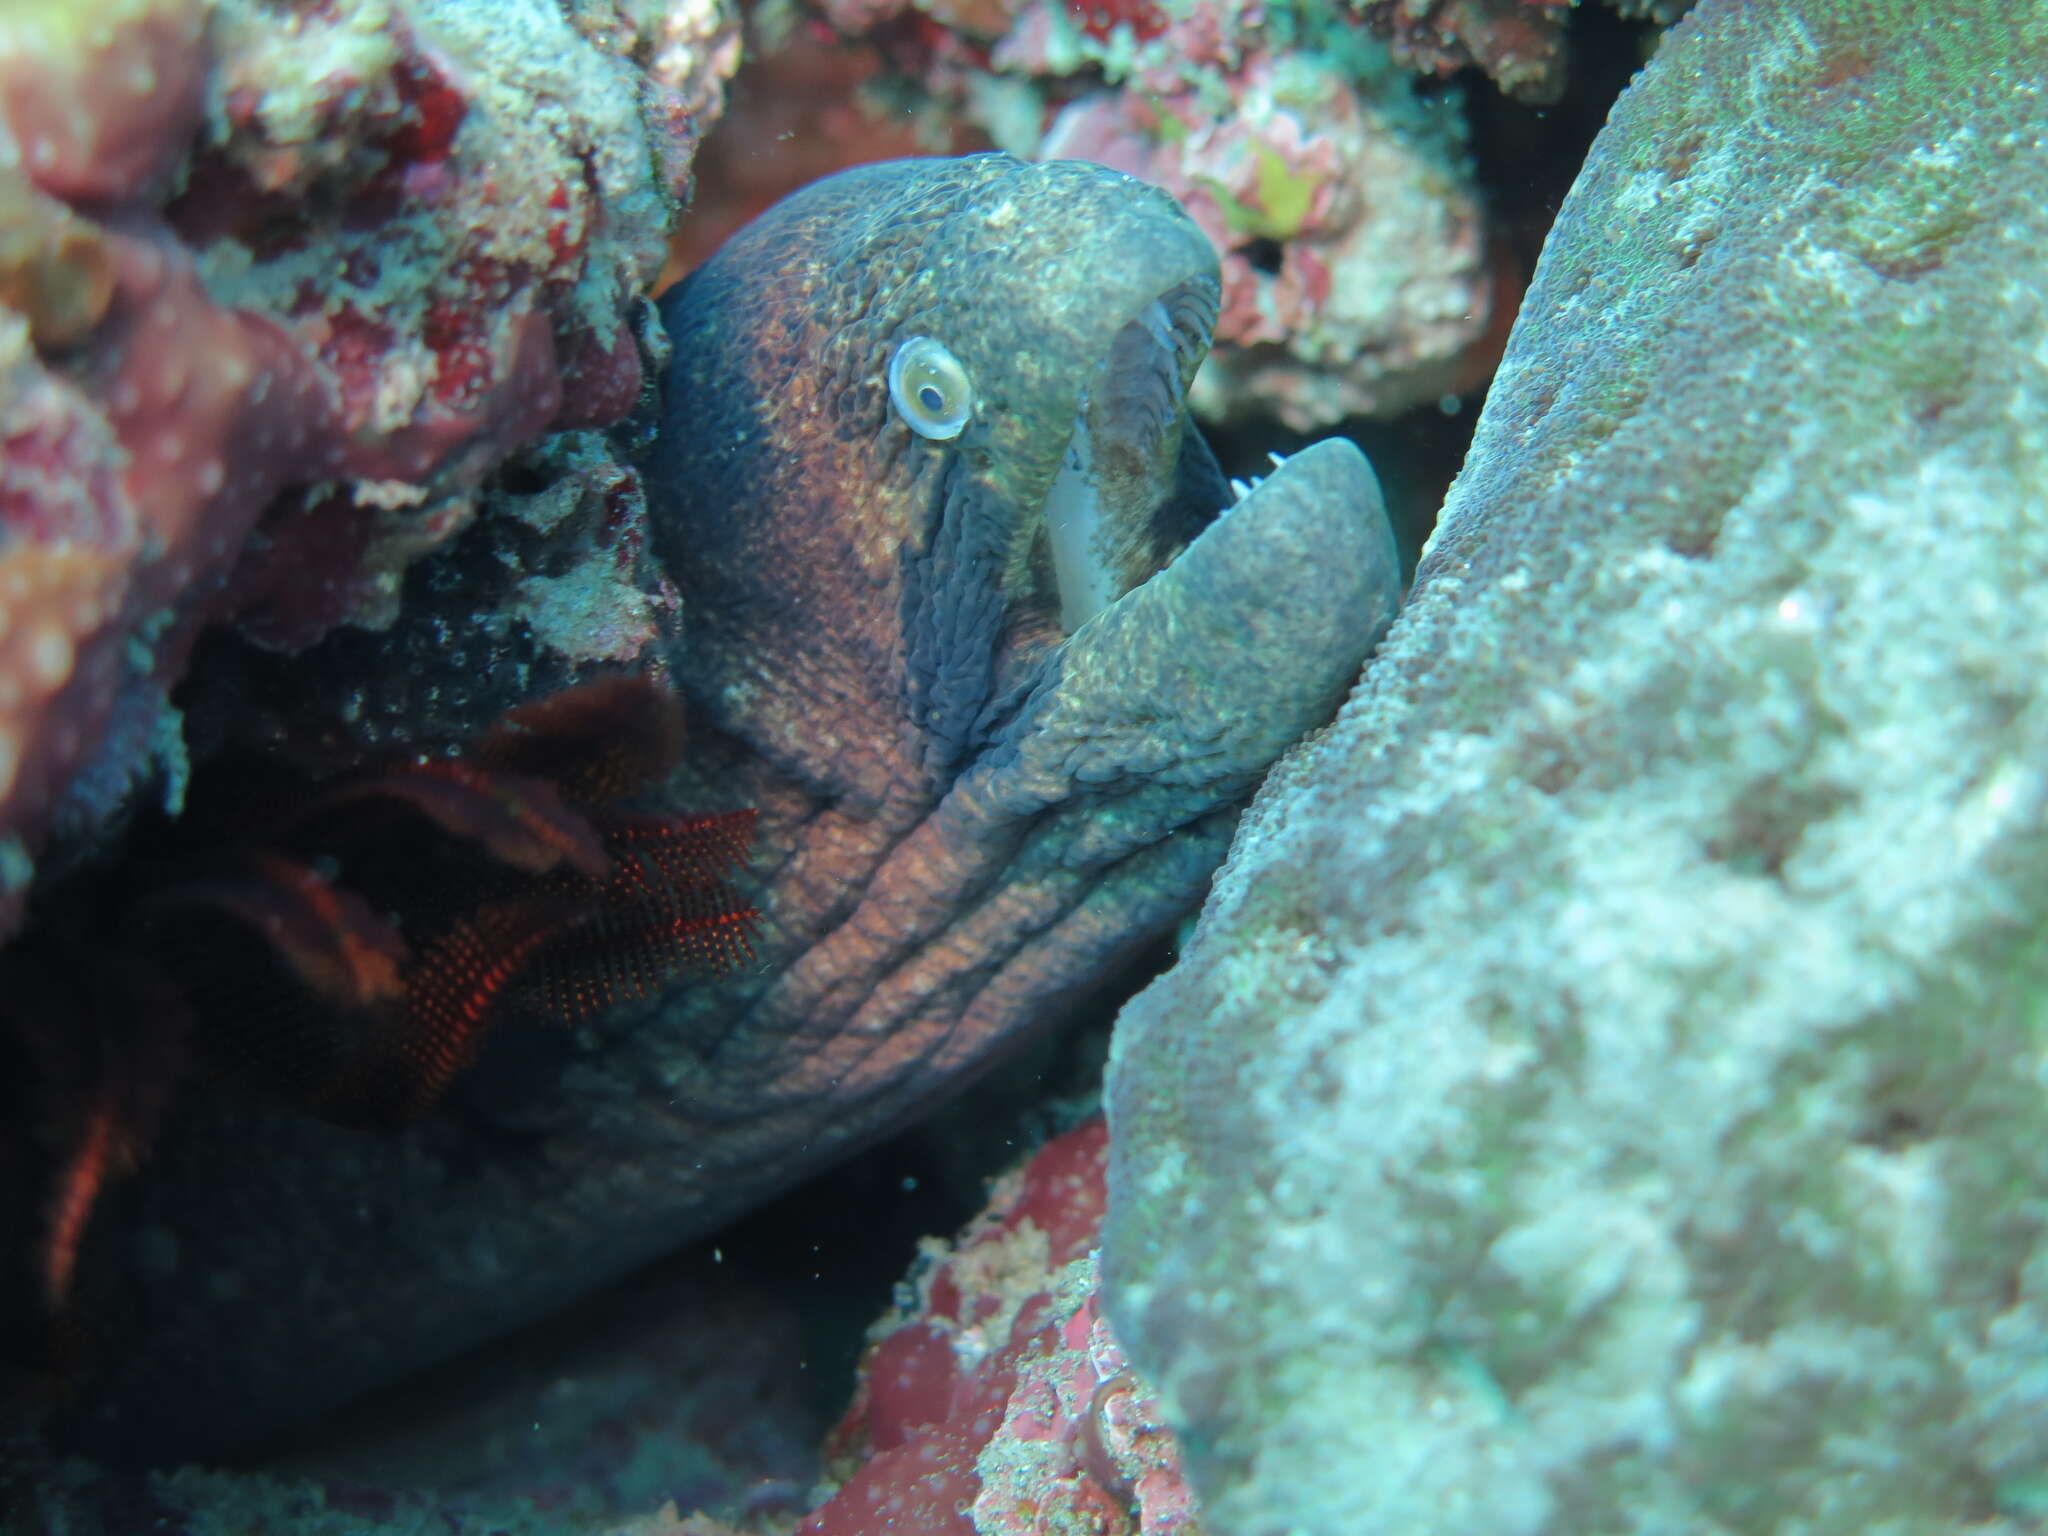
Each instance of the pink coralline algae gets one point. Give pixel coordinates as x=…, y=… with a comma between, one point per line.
x=282, y=283
x=1359, y=276
x=994, y=1402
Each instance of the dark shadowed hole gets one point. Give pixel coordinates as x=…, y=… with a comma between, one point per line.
x=1265, y=255
x=1527, y=156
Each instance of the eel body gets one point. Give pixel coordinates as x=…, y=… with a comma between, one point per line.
x=962, y=621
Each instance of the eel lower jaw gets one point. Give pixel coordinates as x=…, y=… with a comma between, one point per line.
x=1180, y=692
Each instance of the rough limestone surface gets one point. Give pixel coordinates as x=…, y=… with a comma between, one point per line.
x=1607, y=1088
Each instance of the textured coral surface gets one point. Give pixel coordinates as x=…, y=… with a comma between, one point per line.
x=1519, y=43
x=1604, y=1091
x=348, y=255
x=1355, y=264
x=1359, y=277
x=994, y=1402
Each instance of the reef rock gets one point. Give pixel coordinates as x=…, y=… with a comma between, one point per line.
x=1356, y=275
x=993, y=1401
x=278, y=287
x=1605, y=1089
x=1359, y=272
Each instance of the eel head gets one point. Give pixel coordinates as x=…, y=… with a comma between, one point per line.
x=968, y=598
x=923, y=416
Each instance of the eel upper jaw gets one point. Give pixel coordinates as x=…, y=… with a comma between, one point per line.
x=1208, y=624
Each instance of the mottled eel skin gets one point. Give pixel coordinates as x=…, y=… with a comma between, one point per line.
x=968, y=814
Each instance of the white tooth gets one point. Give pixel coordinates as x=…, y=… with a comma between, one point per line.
x=1160, y=324
x=1239, y=489
x=1277, y=458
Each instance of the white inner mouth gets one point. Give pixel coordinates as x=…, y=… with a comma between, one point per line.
x=1076, y=518
x=1073, y=521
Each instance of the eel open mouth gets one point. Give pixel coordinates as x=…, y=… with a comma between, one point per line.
x=1108, y=515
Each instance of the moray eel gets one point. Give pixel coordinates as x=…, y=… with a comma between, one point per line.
x=971, y=617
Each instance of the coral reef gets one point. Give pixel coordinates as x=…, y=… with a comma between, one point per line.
x=968, y=817
x=993, y=1401
x=1358, y=276
x=1604, y=1089
x=552, y=583
x=1356, y=273
x=297, y=277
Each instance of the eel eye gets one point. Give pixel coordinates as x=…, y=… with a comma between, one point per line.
x=930, y=388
